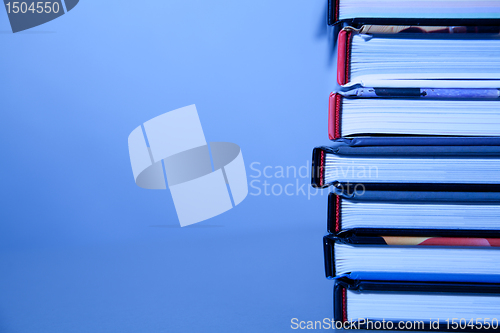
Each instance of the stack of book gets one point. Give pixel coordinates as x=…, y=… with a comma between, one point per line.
x=413, y=237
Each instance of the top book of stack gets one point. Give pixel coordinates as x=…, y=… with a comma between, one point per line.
x=357, y=13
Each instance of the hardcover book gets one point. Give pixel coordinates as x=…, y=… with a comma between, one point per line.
x=422, y=214
x=418, y=60
x=412, y=258
x=409, y=168
x=412, y=115
x=411, y=12
x=418, y=306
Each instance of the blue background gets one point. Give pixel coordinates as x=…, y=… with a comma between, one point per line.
x=82, y=248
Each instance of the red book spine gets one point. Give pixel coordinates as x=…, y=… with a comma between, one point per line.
x=334, y=111
x=338, y=224
x=322, y=169
x=336, y=11
x=344, y=305
x=343, y=56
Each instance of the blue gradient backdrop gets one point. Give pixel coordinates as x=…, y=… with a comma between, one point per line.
x=82, y=248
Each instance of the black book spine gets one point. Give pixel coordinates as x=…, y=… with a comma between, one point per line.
x=328, y=248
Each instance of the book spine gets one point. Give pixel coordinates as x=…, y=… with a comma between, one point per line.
x=339, y=302
x=343, y=56
x=329, y=251
x=334, y=214
x=344, y=305
x=338, y=215
x=333, y=12
x=318, y=168
x=334, y=114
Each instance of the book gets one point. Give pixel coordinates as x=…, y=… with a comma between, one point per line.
x=408, y=12
x=394, y=29
x=423, y=215
x=408, y=168
x=418, y=60
x=413, y=115
x=412, y=258
x=423, y=93
x=431, y=306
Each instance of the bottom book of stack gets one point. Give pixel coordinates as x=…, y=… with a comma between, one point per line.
x=419, y=306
